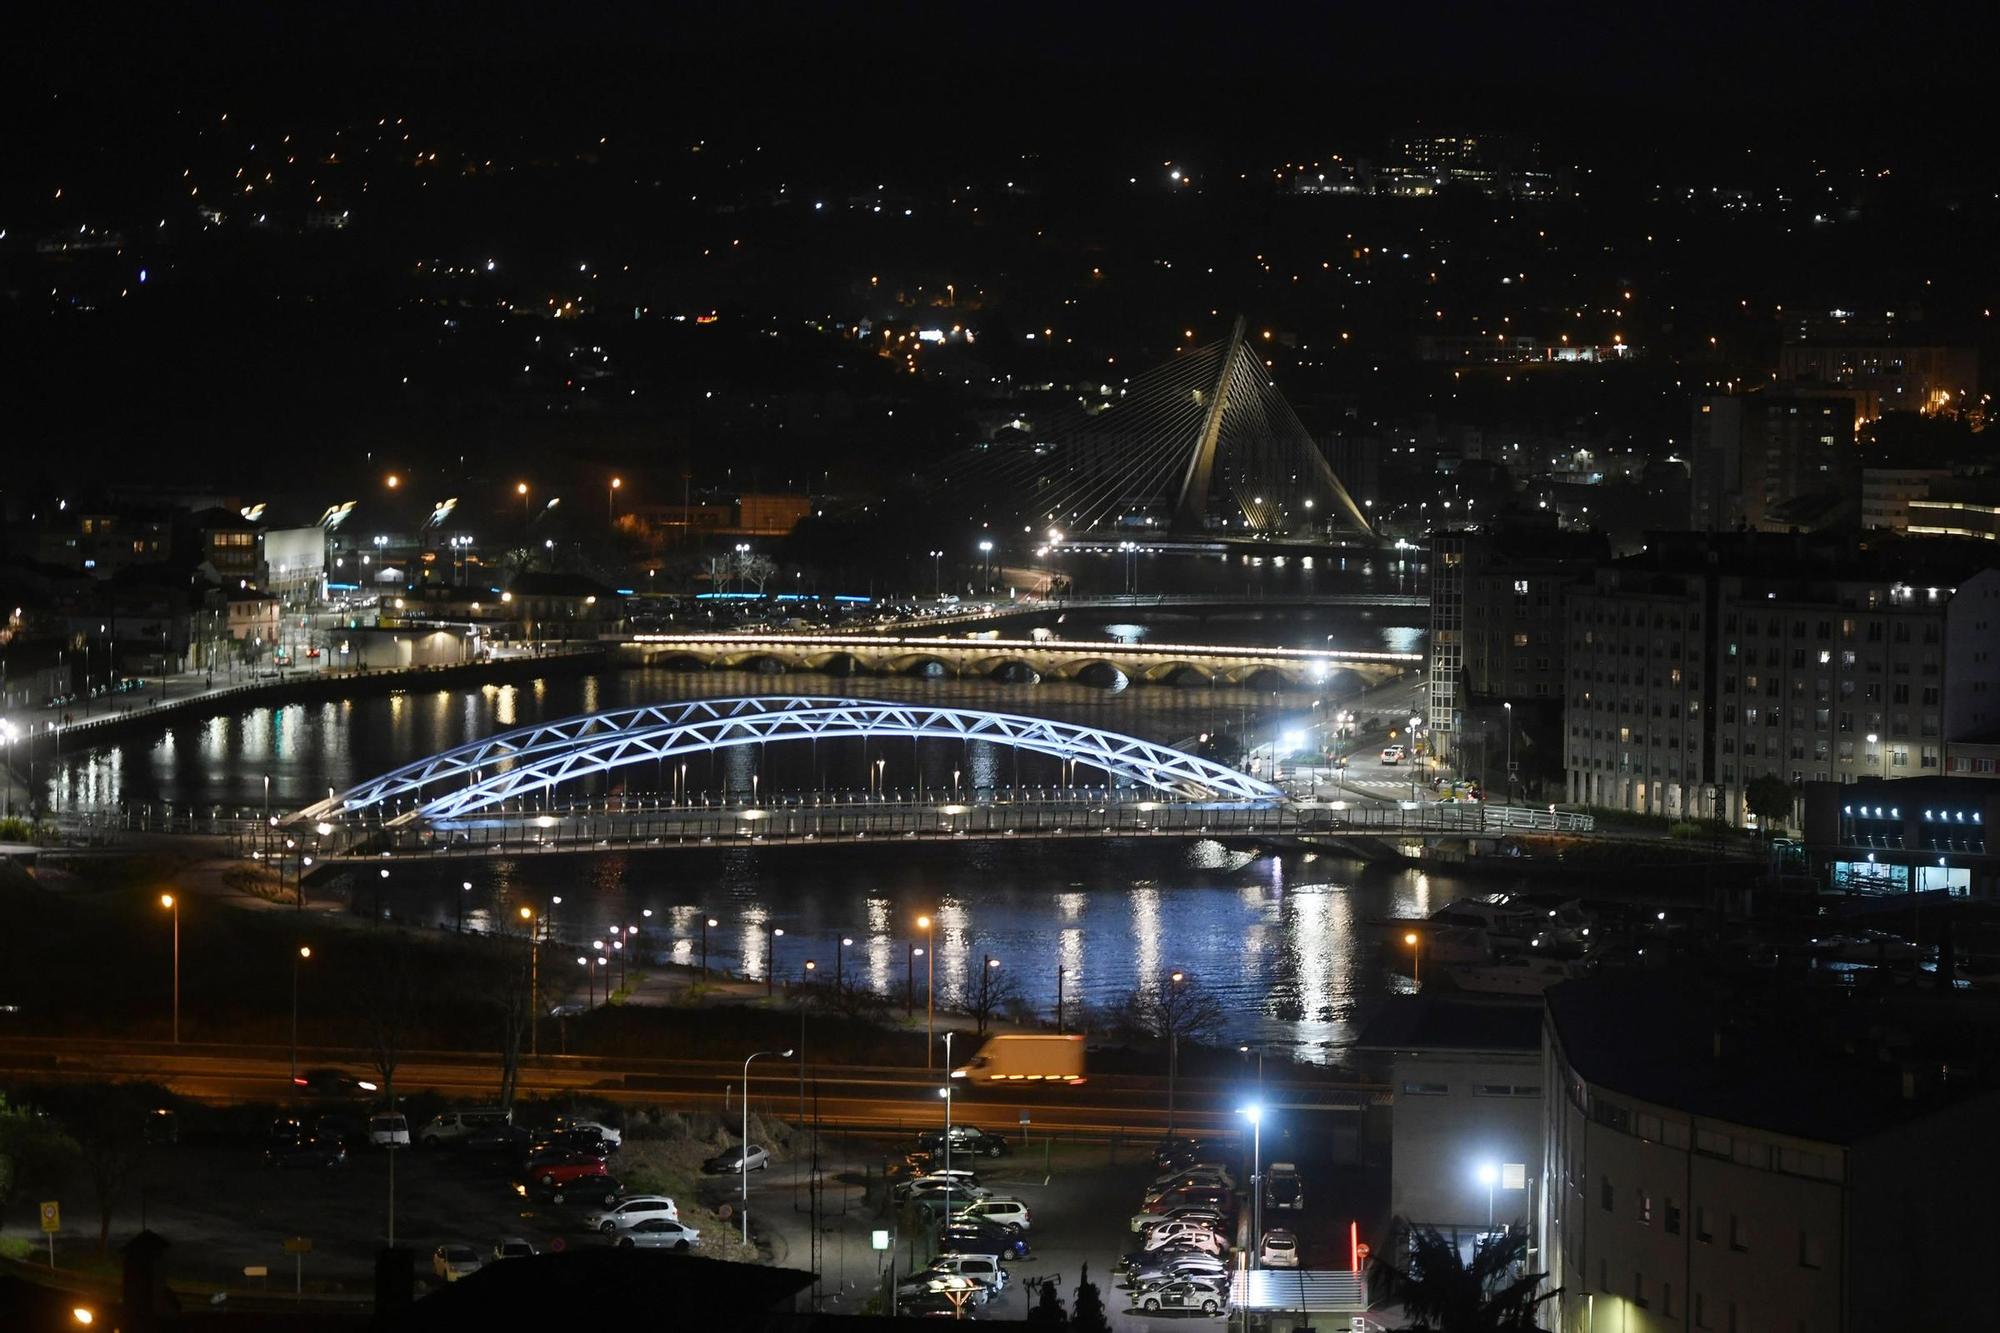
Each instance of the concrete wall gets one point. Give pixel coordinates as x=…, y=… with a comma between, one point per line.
x=1440, y=1139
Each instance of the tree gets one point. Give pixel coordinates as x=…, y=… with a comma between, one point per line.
x=108, y=1125
x=391, y=996
x=1048, y=1309
x=505, y=979
x=994, y=989
x=36, y=1155
x=1173, y=1007
x=1769, y=797
x=1439, y=1290
x=1087, y=1307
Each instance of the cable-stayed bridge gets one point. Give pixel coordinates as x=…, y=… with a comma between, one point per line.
x=1204, y=444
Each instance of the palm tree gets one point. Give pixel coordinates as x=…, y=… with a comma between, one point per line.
x=1439, y=1290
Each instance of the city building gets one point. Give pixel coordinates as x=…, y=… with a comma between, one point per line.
x=101, y=541
x=295, y=561
x=1899, y=377
x=1762, y=1156
x=1703, y=663
x=1771, y=460
x=1959, y=507
x=231, y=545
x=1465, y=1076
x=1886, y=493
x=1909, y=835
x=560, y=606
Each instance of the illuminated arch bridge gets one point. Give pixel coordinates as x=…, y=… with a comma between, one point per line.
x=482, y=775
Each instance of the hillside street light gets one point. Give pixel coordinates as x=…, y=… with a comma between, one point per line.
x=1254, y=1113
x=1416, y=958
x=706, y=922
x=611, y=498
x=305, y=952
x=172, y=904
x=743, y=1149
x=839, y=951
x=930, y=987
x=771, y=959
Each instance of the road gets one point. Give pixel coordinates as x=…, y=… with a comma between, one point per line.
x=858, y=1097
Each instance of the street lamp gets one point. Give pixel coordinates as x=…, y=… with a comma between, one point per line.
x=1254, y=1113
x=521, y=489
x=986, y=551
x=838, y=950
x=706, y=922
x=910, y=952
x=771, y=958
x=1416, y=957
x=172, y=904
x=305, y=952
x=743, y=1149
x=930, y=986
x=1414, y=721
x=534, y=979
x=937, y=574
x=1173, y=1052
x=1489, y=1176
x=611, y=498
x=1508, y=706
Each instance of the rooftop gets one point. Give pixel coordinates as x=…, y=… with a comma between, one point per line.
x=1836, y=1067
x=1452, y=1023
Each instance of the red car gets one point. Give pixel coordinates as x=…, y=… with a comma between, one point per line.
x=568, y=1170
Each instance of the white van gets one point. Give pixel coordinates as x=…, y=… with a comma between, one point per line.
x=459, y=1125
x=984, y=1269
x=1025, y=1058
x=388, y=1130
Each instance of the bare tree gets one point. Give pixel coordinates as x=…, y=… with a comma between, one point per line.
x=992, y=991
x=390, y=1003
x=108, y=1126
x=506, y=981
x=1174, y=1006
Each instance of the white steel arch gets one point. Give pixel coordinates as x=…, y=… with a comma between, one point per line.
x=484, y=773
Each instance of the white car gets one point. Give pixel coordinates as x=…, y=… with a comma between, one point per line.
x=658, y=1233
x=625, y=1212
x=1187, y=1236
x=938, y=1186
x=388, y=1130
x=1279, y=1250
x=1007, y=1212
x=513, y=1247
x=1393, y=754
x=615, y=1138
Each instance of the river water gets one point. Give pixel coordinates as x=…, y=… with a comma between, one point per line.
x=1281, y=938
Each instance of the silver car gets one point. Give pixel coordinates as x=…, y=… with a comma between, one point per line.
x=629, y=1212
x=658, y=1233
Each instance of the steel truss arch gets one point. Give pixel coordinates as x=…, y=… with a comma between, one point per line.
x=484, y=773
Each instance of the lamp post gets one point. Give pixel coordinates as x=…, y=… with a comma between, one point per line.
x=534, y=980
x=1508, y=706
x=1414, y=722
x=1412, y=939
x=1173, y=1054
x=172, y=904
x=1254, y=1113
x=986, y=551
x=1489, y=1176
x=1061, y=1020
x=706, y=922
x=305, y=952
x=930, y=986
x=611, y=499
x=839, y=950
x=771, y=958
x=910, y=952
x=937, y=574
x=945, y=1092
x=743, y=1149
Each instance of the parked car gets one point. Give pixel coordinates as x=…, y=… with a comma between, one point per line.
x=626, y=1212
x=658, y=1233
x=730, y=1160
x=578, y=1144
x=1008, y=1212
x=615, y=1138
x=981, y=1268
x=1144, y=1222
x=1221, y=1200
x=388, y=1130
x=1188, y=1236
x=954, y=1184
x=452, y=1262
x=498, y=1138
x=964, y=1139
x=458, y=1126
x=600, y=1190
x=341, y=1129
x=552, y=1173
x=1199, y=1175
x=923, y=1292
x=966, y=1236
x=1193, y=1293
x=1279, y=1250
x=1177, y=1153
x=1394, y=754
x=513, y=1247
x=1173, y=1267
x=306, y=1152
x=1283, y=1188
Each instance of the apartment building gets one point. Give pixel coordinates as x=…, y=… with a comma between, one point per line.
x=1762, y=1161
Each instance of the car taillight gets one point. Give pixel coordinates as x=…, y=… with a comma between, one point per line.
x=298, y=1082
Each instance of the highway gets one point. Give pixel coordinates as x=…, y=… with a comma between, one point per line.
x=866, y=1097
